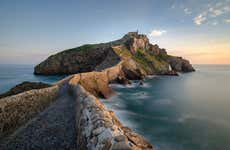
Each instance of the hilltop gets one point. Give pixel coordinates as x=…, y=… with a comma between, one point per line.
x=134, y=47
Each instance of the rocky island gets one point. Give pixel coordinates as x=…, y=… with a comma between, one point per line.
x=69, y=114
x=150, y=59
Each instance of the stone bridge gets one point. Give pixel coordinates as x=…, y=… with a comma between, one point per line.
x=64, y=116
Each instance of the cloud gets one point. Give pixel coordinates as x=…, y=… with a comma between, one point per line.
x=213, y=10
x=227, y=20
x=198, y=20
x=187, y=11
x=155, y=33
x=218, y=10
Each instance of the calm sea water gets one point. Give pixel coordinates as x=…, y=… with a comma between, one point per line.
x=189, y=112
x=10, y=75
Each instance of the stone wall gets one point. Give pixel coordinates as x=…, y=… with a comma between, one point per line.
x=97, y=82
x=99, y=128
x=18, y=109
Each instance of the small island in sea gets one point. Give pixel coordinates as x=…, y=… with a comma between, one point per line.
x=114, y=75
x=69, y=113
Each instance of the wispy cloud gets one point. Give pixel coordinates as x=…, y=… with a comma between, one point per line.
x=198, y=20
x=213, y=10
x=227, y=20
x=155, y=33
x=187, y=11
x=218, y=9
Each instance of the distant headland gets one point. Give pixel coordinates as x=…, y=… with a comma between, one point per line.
x=150, y=59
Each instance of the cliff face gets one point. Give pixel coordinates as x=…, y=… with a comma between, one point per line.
x=82, y=59
x=97, y=82
x=149, y=58
x=179, y=64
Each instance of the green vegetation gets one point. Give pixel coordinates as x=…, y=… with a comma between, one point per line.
x=83, y=49
x=162, y=57
x=122, y=52
x=149, y=62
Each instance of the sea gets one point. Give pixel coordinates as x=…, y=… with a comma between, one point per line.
x=186, y=112
x=13, y=74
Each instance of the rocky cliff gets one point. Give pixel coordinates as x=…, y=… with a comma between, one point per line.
x=95, y=57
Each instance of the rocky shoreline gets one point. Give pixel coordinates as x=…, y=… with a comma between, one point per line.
x=93, y=68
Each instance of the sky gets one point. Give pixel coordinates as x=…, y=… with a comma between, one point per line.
x=31, y=30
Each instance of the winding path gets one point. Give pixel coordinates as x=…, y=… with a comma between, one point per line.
x=53, y=128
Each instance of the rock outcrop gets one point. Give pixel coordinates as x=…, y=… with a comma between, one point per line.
x=97, y=82
x=179, y=64
x=24, y=86
x=96, y=57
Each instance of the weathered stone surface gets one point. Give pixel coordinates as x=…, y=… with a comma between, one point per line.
x=156, y=50
x=131, y=71
x=97, y=82
x=120, y=138
x=18, y=109
x=115, y=137
x=97, y=128
x=24, y=86
x=53, y=128
x=179, y=64
x=136, y=41
x=97, y=131
x=171, y=73
x=123, y=145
